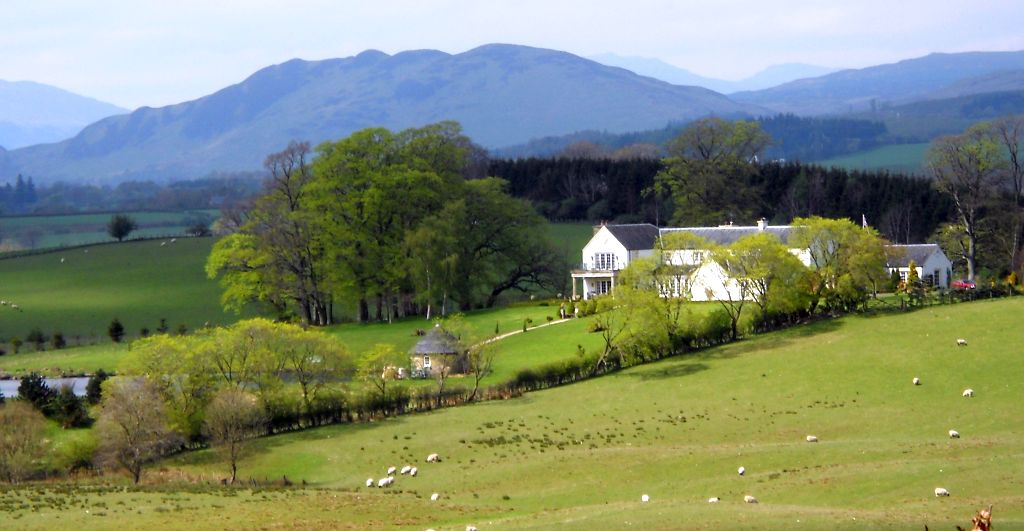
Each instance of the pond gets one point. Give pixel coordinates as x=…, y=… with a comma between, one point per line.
x=10, y=387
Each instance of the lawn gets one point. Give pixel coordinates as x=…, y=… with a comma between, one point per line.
x=580, y=456
x=78, y=229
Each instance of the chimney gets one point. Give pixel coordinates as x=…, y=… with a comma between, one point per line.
x=762, y=224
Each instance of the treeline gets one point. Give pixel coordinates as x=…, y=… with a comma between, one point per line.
x=903, y=208
x=25, y=197
x=794, y=138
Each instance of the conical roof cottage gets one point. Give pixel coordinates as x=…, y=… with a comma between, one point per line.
x=437, y=350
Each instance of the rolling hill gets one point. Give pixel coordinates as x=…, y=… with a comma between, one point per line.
x=502, y=94
x=33, y=113
x=902, y=82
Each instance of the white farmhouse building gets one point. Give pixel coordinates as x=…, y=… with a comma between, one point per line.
x=613, y=247
x=933, y=266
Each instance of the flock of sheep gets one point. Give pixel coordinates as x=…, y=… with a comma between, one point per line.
x=11, y=304
x=412, y=471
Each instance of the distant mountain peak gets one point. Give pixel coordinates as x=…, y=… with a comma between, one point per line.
x=33, y=113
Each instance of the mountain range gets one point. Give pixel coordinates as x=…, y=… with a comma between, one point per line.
x=658, y=69
x=502, y=94
x=34, y=113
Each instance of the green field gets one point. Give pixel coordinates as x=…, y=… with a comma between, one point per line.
x=571, y=237
x=137, y=282
x=898, y=157
x=580, y=456
x=42, y=232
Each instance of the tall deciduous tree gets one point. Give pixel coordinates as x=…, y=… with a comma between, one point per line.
x=232, y=419
x=967, y=167
x=120, y=226
x=765, y=267
x=706, y=168
x=276, y=255
x=838, y=248
x=132, y=429
x=1009, y=134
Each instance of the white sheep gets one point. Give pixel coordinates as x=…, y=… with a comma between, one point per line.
x=391, y=470
x=62, y=260
x=645, y=498
x=470, y=528
x=961, y=342
x=953, y=434
x=433, y=458
x=741, y=470
x=749, y=499
x=384, y=482
x=413, y=471
x=3, y=303
x=173, y=240
x=917, y=381
x=939, y=491
x=15, y=307
x=163, y=244
x=405, y=470
x=714, y=499
x=969, y=393
x=812, y=438
x=369, y=482
x=434, y=496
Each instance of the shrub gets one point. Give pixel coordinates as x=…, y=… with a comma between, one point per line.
x=76, y=453
x=36, y=337
x=16, y=344
x=115, y=330
x=94, y=388
x=68, y=409
x=34, y=390
x=58, y=341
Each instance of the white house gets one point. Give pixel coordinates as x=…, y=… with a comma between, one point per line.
x=613, y=247
x=933, y=266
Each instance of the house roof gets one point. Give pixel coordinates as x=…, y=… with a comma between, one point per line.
x=729, y=234
x=901, y=255
x=635, y=236
x=435, y=341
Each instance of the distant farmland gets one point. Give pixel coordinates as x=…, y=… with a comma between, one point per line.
x=908, y=158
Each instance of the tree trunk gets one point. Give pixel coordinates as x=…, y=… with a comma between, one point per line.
x=364, y=310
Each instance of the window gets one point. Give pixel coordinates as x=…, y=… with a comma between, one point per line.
x=604, y=261
x=604, y=286
x=426, y=362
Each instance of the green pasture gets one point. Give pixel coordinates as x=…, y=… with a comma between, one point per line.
x=896, y=157
x=78, y=229
x=580, y=456
x=137, y=282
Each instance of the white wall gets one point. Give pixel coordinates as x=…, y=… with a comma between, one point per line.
x=605, y=242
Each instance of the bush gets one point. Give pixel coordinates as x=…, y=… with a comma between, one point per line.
x=94, y=388
x=58, y=341
x=36, y=337
x=68, y=409
x=16, y=344
x=115, y=330
x=34, y=390
x=76, y=453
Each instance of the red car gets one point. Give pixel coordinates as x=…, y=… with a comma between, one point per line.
x=963, y=283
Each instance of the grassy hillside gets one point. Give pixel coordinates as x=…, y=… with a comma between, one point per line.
x=580, y=456
x=137, y=282
x=899, y=157
x=55, y=231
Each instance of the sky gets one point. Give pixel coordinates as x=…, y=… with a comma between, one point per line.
x=141, y=52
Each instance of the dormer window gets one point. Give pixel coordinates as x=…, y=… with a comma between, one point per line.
x=604, y=261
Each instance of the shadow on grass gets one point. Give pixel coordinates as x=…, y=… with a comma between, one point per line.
x=770, y=340
x=675, y=370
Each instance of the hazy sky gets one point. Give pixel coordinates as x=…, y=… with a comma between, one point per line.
x=141, y=52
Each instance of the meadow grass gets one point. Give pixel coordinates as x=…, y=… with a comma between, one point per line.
x=580, y=456
x=137, y=282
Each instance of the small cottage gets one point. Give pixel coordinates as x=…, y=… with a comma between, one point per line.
x=437, y=350
x=933, y=266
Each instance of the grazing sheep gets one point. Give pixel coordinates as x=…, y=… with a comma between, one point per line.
x=413, y=471
x=749, y=499
x=3, y=303
x=812, y=438
x=15, y=307
x=433, y=458
x=434, y=496
x=405, y=470
x=163, y=244
x=369, y=482
x=62, y=260
x=391, y=470
x=470, y=528
x=961, y=342
x=384, y=482
x=173, y=240
x=741, y=471
x=714, y=499
x=939, y=491
x=953, y=434
x=969, y=393
x=645, y=498
x=917, y=381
